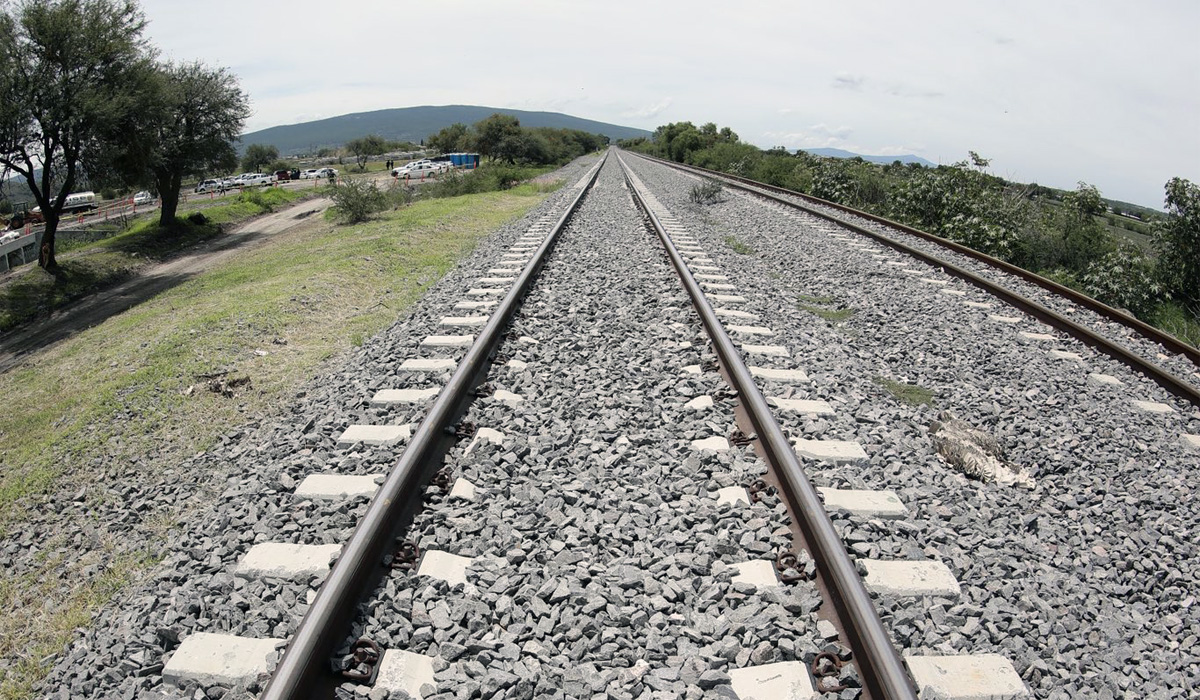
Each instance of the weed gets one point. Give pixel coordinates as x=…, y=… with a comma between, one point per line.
x=908, y=393
x=737, y=246
x=707, y=192
x=809, y=299
x=831, y=315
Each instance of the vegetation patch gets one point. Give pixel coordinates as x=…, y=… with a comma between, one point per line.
x=707, y=192
x=131, y=387
x=738, y=246
x=907, y=393
x=831, y=315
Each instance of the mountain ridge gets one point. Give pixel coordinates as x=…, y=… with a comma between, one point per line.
x=839, y=153
x=413, y=124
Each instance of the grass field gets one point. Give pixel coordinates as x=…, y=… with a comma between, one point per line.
x=119, y=391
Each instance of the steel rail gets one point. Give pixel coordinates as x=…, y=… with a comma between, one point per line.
x=879, y=664
x=1168, y=341
x=1176, y=385
x=328, y=619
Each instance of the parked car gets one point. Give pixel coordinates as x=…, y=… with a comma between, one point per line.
x=211, y=186
x=142, y=197
x=416, y=170
x=283, y=174
x=326, y=172
x=308, y=174
x=256, y=179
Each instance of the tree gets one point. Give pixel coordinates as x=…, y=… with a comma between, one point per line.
x=257, y=155
x=1178, y=242
x=69, y=72
x=187, y=126
x=363, y=148
x=451, y=139
x=491, y=131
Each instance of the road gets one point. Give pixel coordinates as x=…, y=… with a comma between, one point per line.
x=16, y=345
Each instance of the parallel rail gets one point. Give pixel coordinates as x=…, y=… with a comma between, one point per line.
x=879, y=664
x=305, y=663
x=1176, y=385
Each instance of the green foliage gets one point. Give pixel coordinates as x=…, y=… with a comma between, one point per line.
x=455, y=138
x=363, y=148
x=738, y=246
x=257, y=156
x=1178, y=243
x=907, y=393
x=357, y=200
x=707, y=192
x=1124, y=278
x=491, y=132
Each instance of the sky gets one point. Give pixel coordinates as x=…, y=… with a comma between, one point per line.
x=1052, y=92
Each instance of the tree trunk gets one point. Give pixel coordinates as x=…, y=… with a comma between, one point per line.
x=168, y=192
x=46, y=258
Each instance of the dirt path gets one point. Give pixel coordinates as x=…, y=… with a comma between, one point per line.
x=16, y=345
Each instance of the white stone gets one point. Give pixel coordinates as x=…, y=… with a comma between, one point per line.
x=1063, y=355
x=485, y=292
x=1189, y=440
x=448, y=567
x=836, y=451
x=727, y=298
x=706, y=268
x=515, y=257
x=912, y=272
x=465, y=305
x=757, y=572
x=337, y=486
x=528, y=340
x=447, y=341
x=929, y=280
x=779, y=375
x=877, y=504
x=495, y=280
x=390, y=396
x=977, y=304
x=374, y=434
x=501, y=271
x=490, y=435
x=769, y=350
x=751, y=330
x=717, y=278
x=717, y=285
x=801, y=405
x=284, y=560
x=1035, y=336
x=716, y=443
x=733, y=494
x=910, y=578
x=464, y=320
x=954, y=292
x=428, y=364
x=462, y=489
x=208, y=659
x=699, y=403
x=517, y=364
x=785, y=680
x=1152, y=407
x=507, y=397
x=734, y=313
x=692, y=369
x=401, y=670
x=1004, y=319
x=967, y=677
x=1104, y=379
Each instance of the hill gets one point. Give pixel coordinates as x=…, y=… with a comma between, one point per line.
x=839, y=153
x=414, y=124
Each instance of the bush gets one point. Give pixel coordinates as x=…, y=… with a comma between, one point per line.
x=356, y=200
x=707, y=192
x=1124, y=278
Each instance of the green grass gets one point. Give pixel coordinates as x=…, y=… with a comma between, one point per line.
x=119, y=390
x=1174, y=319
x=908, y=393
x=831, y=315
x=85, y=270
x=808, y=299
x=738, y=246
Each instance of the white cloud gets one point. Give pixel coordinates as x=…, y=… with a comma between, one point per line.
x=648, y=111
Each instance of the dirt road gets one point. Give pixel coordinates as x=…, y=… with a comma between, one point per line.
x=16, y=345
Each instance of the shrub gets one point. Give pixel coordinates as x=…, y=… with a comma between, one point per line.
x=356, y=200
x=707, y=192
x=1124, y=278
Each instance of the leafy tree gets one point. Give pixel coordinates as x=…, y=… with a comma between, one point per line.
x=70, y=70
x=1178, y=242
x=452, y=139
x=186, y=128
x=490, y=132
x=363, y=148
x=257, y=155
x=1085, y=239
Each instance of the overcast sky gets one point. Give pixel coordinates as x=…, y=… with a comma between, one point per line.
x=1055, y=92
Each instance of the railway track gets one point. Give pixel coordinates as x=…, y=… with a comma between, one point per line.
x=617, y=510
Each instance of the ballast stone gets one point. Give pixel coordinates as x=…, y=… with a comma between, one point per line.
x=700, y=403
x=390, y=396
x=836, y=451
x=967, y=677
x=732, y=494
x=286, y=561
x=404, y=671
x=463, y=489
x=768, y=350
x=208, y=659
x=1152, y=407
x=448, y=567
x=374, y=434
x=877, y=504
x=1064, y=355
x=910, y=578
x=801, y=405
x=715, y=443
x=786, y=680
x=1035, y=336
x=779, y=375
x=756, y=572
x=1104, y=379
x=337, y=486
x=1192, y=441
